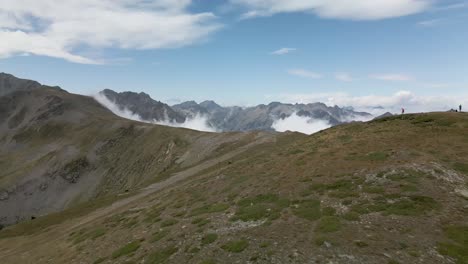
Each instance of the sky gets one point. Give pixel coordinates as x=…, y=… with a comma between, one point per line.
x=360, y=53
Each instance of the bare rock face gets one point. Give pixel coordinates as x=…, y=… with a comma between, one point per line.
x=143, y=105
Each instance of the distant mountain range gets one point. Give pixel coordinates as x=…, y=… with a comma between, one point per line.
x=232, y=118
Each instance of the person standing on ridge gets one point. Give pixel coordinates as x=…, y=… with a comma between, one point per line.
x=402, y=111
x=460, y=107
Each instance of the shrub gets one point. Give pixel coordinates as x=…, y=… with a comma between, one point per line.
x=236, y=246
x=209, y=238
x=328, y=224
x=127, y=249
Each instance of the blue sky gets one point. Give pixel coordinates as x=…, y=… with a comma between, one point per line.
x=391, y=53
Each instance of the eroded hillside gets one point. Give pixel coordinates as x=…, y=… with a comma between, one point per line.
x=59, y=149
x=389, y=191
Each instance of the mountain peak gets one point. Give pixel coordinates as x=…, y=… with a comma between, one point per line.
x=10, y=83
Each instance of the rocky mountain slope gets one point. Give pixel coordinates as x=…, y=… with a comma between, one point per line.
x=393, y=190
x=236, y=118
x=143, y=105
x=59, y=149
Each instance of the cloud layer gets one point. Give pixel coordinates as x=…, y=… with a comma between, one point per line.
x=341, y=9
x=300, y=124
x=62, y=29
x=378, y=104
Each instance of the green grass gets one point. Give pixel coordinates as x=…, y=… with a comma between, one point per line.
x=126, y=250
x=405, y=206
x=320, y=240
x=351, y=216
x=200, y=221
x=209, y=238
x=308, y=209
x=169, y=222
x=457, y=248
x=207, y=209
x=41, y=223
x=328, y=224
x=208, y=261
x=159, y=235
x=236, y=246
x=161, y=255
x=99, y=260
x=374, y=189
x=412, y=206
x=263, y=206
x=361, y=244
x=342, y=188
x=82, y=235
x=461, y=167
x=377, y=156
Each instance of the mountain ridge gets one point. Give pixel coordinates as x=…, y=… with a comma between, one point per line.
x=260, y=117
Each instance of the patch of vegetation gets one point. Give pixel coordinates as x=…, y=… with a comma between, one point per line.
x=82, y=235
x=308, y=209
x=409, y=176
x=159, y=235
x=461, y=167
x=127, y=249
x=236, y=246
x=162, y=255
x=212, y=208
x=361, y=244
x=328, y=224
x=351, y=216
x=395, y=205
x=209, y=238
x=265, y=244
x=263, y=206
x=330, y=211
x=169, y=222
x=342, y=188
x=320, y=240
x=99, y=260
x=408, y=188
x=200, y=221
x=374, y=189
x=208, y=261
x=377, y=156
x=457, y=248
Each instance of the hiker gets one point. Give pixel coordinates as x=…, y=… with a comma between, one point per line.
x=460, y=107
x=402, y=111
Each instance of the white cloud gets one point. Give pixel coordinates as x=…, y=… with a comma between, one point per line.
x=391, y=77
x=378, y=104
x=341, y=9
x=300, y=124
x=429, y=23
x=283, y=51
x=305, y=73
x=344, y=77
x=199, y=123
x=114, y=108
x=61, y=29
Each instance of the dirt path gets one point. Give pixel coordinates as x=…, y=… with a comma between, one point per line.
x=59, y=231
x=177, y=177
